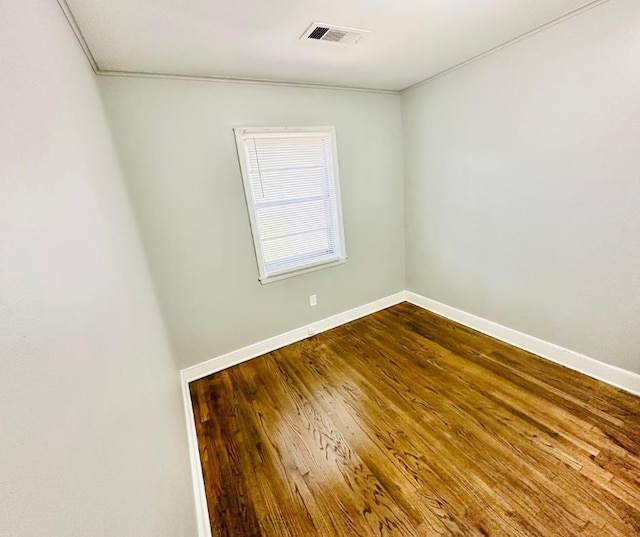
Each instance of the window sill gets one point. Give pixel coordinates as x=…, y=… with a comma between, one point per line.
x=298, y=272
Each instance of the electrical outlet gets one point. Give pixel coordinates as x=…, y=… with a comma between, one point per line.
x=313, y=300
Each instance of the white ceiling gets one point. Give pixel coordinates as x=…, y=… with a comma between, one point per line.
x=410, y=40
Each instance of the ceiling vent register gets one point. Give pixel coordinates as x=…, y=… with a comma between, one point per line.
x=330, y=33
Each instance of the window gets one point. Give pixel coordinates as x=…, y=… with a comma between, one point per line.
x=293, y=195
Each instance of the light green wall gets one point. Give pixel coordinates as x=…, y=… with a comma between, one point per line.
x=523, y=185
x=92, y=433
x=176, y=144
x=519, y=181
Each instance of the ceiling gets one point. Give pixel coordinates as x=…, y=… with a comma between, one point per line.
x=410, y=40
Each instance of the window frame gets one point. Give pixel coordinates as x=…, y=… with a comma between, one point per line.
x=267, y=277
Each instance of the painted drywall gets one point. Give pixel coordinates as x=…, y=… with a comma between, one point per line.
x=175, y=139
x=93, y=439
x=523, y=186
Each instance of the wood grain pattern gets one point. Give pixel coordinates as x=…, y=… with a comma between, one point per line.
x=404, y=423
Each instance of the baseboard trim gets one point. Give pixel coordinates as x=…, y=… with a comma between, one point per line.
x=242, y=355
x=263, y=347
x=199, y=495
x=621, y=378
x=616, y=376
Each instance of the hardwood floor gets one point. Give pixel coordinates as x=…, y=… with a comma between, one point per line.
x=405, y=423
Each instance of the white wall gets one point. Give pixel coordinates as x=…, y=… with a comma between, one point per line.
x=92, y=434
x=175, y=139
x=523, y=185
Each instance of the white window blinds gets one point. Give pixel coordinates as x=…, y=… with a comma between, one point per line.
x=291, y=186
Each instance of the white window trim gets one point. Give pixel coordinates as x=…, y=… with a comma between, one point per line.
x=264, y=277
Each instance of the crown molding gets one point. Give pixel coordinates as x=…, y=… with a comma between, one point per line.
x=573, y=13
x=240, y=80
x=66, y=10
x=73, y=23
x=64, y=6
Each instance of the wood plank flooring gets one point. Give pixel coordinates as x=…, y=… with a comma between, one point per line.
x=404, y=423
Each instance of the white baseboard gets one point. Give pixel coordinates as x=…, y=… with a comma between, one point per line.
x=242, y=355
x=199, y=495
x=298, y=334
x=616, y=376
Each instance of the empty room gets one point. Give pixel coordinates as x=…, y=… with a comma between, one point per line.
x=319, y=269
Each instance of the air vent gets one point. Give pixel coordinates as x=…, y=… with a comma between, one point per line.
x=330, y=33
